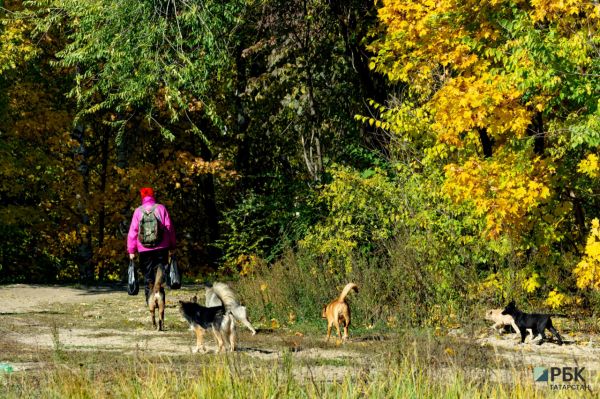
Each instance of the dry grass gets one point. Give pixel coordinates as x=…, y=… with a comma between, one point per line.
x=235, y=376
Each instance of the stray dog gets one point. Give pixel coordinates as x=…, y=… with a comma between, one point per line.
x=338, y=311
x=217, y=319
x=535, y=321
x=156, y=299
x=238, y=311
x=501, y=320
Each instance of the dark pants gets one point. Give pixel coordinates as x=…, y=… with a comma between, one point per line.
x=149, y=262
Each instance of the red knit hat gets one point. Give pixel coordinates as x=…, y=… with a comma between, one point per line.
x=146, y=192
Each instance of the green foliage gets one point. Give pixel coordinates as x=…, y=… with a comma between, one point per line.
x=266, y=225
x=21, y=245
x=155, y=58
x=585, y=129
x=364, y=209
x=250, y=86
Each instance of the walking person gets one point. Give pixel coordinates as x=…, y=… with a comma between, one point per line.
x=152, y=236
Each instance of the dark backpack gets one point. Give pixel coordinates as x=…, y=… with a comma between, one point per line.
x=150, y=229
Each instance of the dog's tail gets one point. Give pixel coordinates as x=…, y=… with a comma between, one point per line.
x=226, y=295
x=346, y=290
x=158, y=279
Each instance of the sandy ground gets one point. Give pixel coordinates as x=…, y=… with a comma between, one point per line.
x=45, y=317
x=51, y=317
x=21, y=298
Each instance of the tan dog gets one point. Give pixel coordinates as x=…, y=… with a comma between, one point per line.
x=156, y=299
x=338, y=311
x=500, y=320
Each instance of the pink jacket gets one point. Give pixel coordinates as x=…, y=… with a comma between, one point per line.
x=168, y=240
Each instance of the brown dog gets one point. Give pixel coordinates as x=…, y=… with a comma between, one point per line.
x=338, y=311
x=156, y=299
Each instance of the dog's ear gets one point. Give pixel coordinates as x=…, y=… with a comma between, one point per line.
x=195, y=299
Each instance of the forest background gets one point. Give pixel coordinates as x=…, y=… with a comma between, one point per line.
x=439, y=154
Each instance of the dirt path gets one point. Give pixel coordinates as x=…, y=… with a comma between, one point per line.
x=21, y=298
x=108, y=320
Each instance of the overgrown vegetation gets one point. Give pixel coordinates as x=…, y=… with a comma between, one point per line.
x=417, y=364
x=444, y=156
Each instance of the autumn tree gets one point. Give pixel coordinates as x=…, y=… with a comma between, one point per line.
x=509, y=90
x=36, y=152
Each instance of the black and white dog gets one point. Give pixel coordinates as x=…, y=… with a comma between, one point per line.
x=535, y=321
x=238, y=311
x=217, y=319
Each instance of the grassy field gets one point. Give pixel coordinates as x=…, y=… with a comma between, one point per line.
x=69, y=343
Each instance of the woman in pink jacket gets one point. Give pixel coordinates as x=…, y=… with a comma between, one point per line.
x=151, y=235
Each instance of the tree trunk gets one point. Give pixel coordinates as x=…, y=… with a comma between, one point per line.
x=86, y=270
x=311, y=143
x=536, y=129
x=486, y=143
x=211, y=211
x=123, y=163
x=242, y=159
x=354, y=19
x=103, y=175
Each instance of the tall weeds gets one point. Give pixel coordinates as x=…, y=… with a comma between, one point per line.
x=395, y=289
x=234, y=377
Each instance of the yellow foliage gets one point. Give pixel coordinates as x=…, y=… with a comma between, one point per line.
x=247, y=264
x=587, y=271
x=589, y=166
x=481, y=101
x=16, y=47
x=68, y=271
x=69, y=239
x=556, y=299
x=504, y=189
x=469, y=72
x=449, y=351
x=551, y=10
x=491, y=282
x=532, y=283
x=406, y=121
x=491, y=287
x=419, y=36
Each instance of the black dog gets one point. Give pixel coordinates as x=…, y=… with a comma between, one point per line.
x=537, y=322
